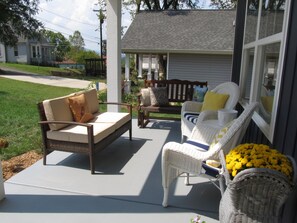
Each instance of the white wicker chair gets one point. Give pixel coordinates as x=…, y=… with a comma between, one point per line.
x=190, y=159
x=191, y=109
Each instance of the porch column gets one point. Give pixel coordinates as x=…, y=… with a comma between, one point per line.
x=113, y=53
x=149, y=73
x=2, y=192
x=140, y=66
x=127, y=74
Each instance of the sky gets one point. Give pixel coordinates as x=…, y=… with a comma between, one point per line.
x=67, y=16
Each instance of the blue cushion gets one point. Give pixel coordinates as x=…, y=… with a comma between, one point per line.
x=209, y=170
x=191, y=117
x=199, y=93
x=198, y=144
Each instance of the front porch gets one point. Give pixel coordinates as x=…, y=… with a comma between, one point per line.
x=126, y=187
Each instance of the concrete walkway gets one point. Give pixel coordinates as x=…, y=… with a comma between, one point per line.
x=48, y=80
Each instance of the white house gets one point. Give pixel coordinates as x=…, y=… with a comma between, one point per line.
x=197, y=44
x=29, y=51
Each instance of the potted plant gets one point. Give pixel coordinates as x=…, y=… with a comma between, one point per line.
x=259, y=180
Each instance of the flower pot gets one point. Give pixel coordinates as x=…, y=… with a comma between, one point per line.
x=256, y=195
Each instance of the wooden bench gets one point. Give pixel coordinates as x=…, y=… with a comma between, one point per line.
x=178, y=91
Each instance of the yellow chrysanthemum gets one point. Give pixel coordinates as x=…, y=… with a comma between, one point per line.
x=257, y=156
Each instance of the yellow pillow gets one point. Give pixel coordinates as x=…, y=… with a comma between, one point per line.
x=79, y=108
x=214, y=101
x=267, y=102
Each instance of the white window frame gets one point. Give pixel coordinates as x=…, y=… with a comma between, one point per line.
x=267, y=129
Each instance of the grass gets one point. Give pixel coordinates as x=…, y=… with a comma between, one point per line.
x=42, y=70
x=19, y=116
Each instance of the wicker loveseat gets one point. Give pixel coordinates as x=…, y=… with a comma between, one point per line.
x=61, y=131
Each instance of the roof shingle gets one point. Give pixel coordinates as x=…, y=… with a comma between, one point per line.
x=181, y=31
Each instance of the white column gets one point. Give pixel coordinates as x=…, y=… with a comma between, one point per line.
x=140, y=66
x=149, y=73
x=2, y=192
x=113, y=53
x=127, y=74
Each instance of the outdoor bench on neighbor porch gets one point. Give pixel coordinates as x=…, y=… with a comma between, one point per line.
x=164, y=96
x=73, y=123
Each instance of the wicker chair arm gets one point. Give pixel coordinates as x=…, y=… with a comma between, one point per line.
x=191, y=106
x=207, y=115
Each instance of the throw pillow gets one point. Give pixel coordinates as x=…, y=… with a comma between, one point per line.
x=220, y=134
x=79, y=108
x=159, y=96
x=214, y=101
x=199, y=93
x=267, y=102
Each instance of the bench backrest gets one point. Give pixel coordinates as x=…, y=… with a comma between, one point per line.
x=178, y=90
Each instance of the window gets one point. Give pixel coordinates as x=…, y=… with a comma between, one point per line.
x=16, y=51
x=264, y=41
x=34, y=52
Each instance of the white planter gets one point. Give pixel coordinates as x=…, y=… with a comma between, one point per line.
x=2, y=192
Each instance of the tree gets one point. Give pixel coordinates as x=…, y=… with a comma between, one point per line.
x=16, y=19
x=62, y=45
x=76, y=40
x=224, y=4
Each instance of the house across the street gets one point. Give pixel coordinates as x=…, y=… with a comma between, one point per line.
x=28, y=51
x=195, y=44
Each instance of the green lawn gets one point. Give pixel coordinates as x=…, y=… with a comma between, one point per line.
x=19, y=116
x=41, y=70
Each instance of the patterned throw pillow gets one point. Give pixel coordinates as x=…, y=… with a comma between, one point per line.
x=159, y=96
x=220, y=134
x=199, y=93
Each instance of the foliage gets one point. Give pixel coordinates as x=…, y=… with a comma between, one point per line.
x=79, y=56
x=224, y=4
x=247, y=156
x=19, y=116
x=77, y=41
x=17, y=19
x=62, y=45
x=197, y=219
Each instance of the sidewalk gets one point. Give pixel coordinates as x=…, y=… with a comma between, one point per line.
x=48, y=80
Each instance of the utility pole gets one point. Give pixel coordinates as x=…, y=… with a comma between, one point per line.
x=101, y=17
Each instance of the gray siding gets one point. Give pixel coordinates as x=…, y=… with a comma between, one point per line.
x=215, y=69
x=2, y=53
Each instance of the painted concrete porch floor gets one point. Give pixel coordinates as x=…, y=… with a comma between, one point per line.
x=126, y=187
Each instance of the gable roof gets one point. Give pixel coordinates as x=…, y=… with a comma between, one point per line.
x=190, y=31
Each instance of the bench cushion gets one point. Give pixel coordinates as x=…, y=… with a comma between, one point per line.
x=76, y=133
x=57, y=109
x=117, y=118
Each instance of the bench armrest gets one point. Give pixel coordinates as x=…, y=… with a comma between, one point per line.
x=128, y=106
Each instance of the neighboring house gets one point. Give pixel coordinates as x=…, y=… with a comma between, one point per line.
x=28, y=51
x=198, y=44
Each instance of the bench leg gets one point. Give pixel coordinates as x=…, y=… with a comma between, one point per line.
x=140, y=119
x=92, y=168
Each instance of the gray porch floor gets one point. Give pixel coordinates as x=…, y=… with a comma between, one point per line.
x=126, y=187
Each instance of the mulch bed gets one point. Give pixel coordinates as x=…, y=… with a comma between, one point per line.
x=17, y=164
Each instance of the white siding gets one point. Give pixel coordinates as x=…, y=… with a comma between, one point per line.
x=215, y=69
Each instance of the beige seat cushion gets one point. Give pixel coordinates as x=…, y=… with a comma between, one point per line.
x=57, y=109
x=75, y=133
x=118, y=118
x=91, y=98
